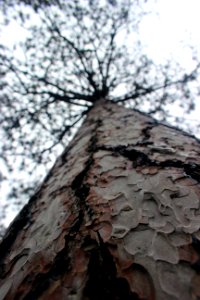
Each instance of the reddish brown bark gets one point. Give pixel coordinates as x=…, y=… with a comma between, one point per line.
x=117, y=217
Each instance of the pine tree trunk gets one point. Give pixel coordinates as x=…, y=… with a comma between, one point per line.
x=117, y=217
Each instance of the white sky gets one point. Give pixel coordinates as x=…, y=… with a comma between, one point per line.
x=176, y=24
x=166, y=32
x=171, y=26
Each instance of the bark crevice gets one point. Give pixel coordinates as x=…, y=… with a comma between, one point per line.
x=140, y=159
x=79, y=186
x=60, y=266
x=103, y=282
x=61, y=263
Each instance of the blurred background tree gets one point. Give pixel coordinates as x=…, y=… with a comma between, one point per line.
x=72, y=54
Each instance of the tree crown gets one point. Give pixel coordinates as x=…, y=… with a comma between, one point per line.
x=77, y=53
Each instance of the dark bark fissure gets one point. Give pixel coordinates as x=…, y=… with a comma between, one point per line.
x=196, y=246
x=60, y=265
x=155, y=122
x=80, y=188
x=140, y=159
x=146, y=131
x=22, y=220
x=103, y=283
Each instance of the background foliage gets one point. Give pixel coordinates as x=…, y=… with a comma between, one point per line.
x=73, y=53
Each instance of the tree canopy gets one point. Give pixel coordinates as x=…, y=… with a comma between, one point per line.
x=75, y=53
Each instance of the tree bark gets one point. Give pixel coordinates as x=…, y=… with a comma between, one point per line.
x=117, y=217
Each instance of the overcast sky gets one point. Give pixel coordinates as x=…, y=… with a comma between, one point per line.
x=171, y=25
